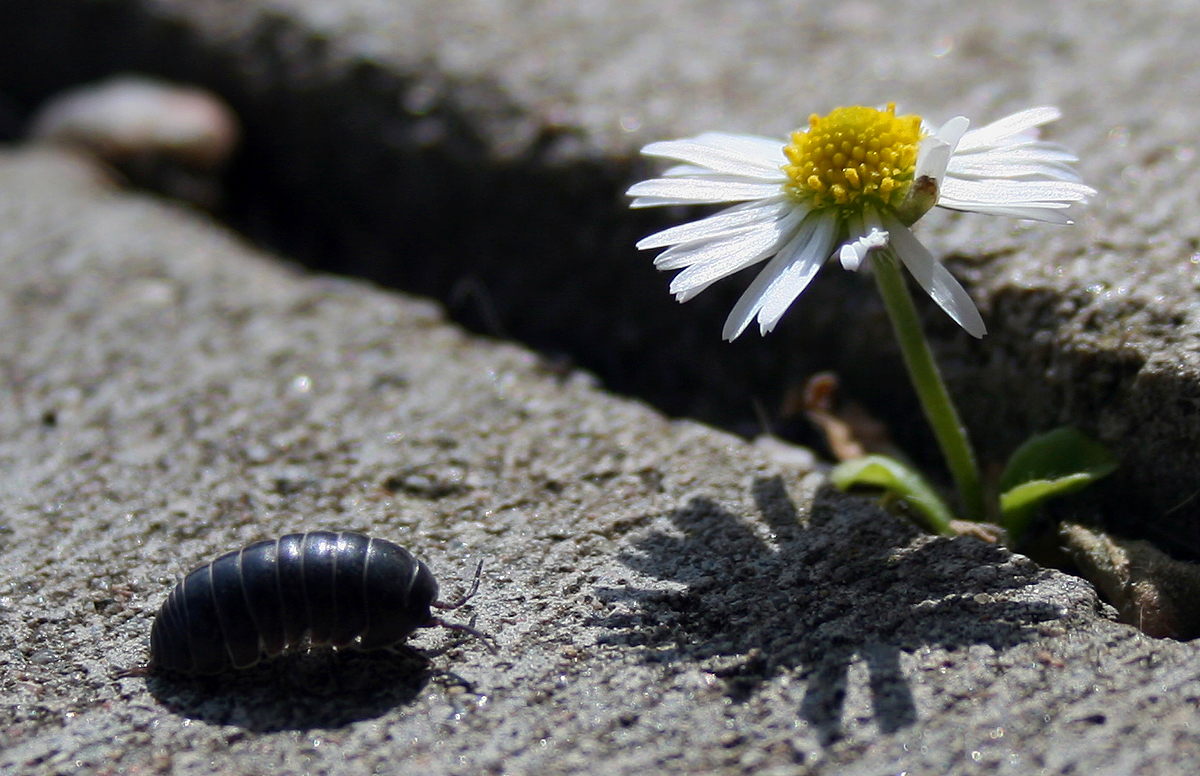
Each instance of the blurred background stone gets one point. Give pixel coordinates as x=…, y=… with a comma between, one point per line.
x=170, y=138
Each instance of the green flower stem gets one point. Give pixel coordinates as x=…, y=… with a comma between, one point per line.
x=926, y=378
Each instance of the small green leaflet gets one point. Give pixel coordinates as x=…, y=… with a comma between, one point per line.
x=1053, y=464
x=900, y=482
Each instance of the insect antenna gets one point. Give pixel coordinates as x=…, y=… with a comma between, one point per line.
x=465, y=598
x=488, y=640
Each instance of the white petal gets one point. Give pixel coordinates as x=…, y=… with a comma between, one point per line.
x=1038, y=150
x=642, y=202
x=951, y=133
x=1008, y=127
x=871, y=220
x=798, y=274
x=847, y=254
x=776, y=175
x=731, y=154
x=700, y=191
x=1013, y=163
x=800, y=255
x=733, y=255
x=998, y=191
x=1056, y=214
x=851, y=256
x=718, y=224
x=687, y=170
x=691, y=252
x=932, y=158
x=753, y=146
x=868, y=235
x=934, y=278
x=937, y=149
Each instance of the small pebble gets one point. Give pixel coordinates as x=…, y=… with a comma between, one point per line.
x=132, y=116
x=166, y=137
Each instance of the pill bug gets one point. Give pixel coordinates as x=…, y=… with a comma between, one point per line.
x=319, y=588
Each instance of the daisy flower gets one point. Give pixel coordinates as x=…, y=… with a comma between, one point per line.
x=850, y=184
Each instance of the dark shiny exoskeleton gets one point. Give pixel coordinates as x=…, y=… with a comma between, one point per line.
x=318, y=588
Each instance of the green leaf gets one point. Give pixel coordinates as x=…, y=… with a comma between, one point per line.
x=899, y=482
x=1053, y=464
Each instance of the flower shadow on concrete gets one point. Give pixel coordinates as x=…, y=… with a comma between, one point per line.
x=847, y=582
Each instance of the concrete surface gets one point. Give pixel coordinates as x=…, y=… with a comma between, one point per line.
x=379, y=131
x=666, y=598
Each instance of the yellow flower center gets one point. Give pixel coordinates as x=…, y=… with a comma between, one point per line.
x=853, y=157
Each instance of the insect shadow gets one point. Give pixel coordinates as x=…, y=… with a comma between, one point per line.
x=299, y=691
x=850, y=582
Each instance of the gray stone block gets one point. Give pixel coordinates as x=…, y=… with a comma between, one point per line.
x=667, y=598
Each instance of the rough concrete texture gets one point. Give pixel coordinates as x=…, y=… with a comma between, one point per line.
x=666, y=598
x=476, y=152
